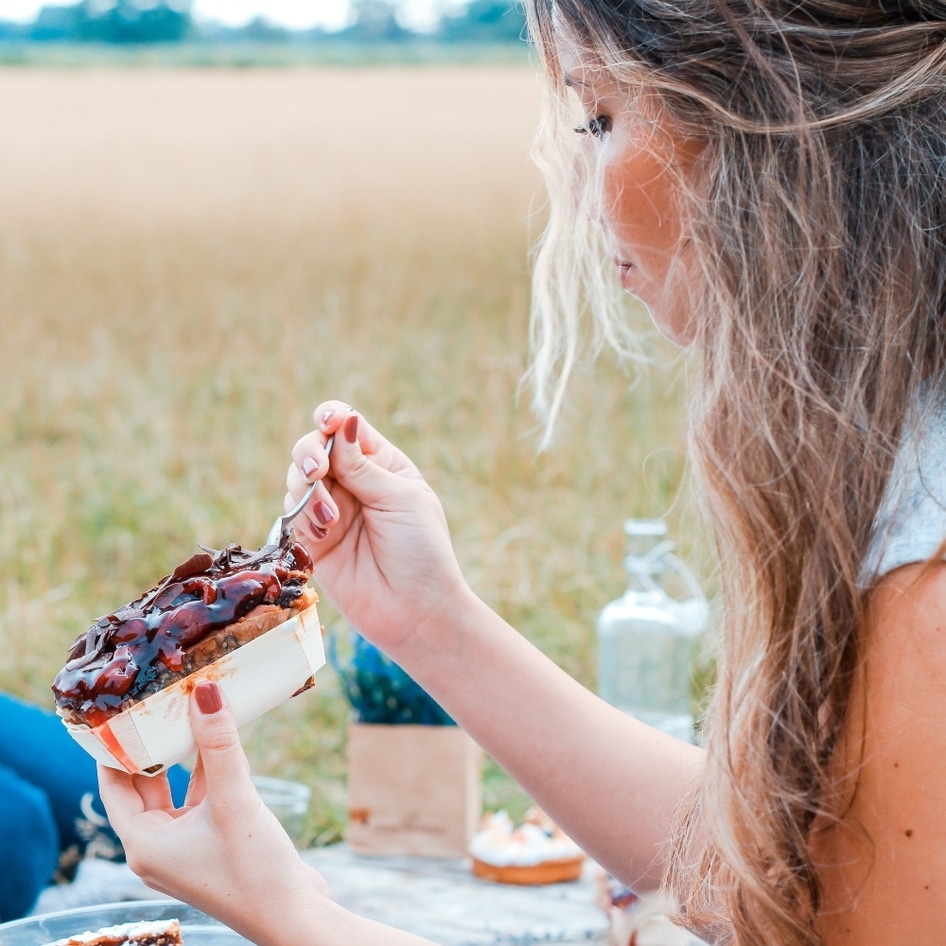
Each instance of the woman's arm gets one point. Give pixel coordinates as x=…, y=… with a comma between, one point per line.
x=611, y=783
x=883, y=867
x=387, y=563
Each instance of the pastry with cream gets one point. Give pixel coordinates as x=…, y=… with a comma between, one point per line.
x=534, y=852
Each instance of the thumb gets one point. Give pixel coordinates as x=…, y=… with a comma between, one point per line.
x=222, y=761
x=367, y=465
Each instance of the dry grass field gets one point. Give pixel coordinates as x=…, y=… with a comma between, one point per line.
x=191, y=260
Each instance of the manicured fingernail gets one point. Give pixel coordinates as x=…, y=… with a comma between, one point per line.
x=327, y=416
x=319, y=532
x=309, y=465
x=351, y=428
x=208, y=698
x=323, y=512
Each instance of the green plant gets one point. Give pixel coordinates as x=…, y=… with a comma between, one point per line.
x=378, y=690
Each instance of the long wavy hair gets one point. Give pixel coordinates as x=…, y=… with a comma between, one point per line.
x=816, y=225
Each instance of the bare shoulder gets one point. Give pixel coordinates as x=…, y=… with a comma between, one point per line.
x=884, y=867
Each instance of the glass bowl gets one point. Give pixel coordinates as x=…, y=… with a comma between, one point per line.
x=196, y=927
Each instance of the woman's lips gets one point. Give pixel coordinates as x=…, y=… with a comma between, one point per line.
x=628, y=273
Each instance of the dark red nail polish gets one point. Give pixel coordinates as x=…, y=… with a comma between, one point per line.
x=319, y=532
x=323, y=512
x=208, y=698
x=351, y=428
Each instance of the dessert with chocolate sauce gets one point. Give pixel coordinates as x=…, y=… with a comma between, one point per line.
x=207, y=607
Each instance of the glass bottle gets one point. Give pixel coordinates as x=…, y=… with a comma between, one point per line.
x=647, y=637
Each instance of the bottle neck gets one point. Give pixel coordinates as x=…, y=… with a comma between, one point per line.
x=646, y=566
x=660, y=572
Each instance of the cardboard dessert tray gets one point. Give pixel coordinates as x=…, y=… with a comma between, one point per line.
x=262, y=674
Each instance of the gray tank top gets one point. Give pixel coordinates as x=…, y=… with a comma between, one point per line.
x=911, y=522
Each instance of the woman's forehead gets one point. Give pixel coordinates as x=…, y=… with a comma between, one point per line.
x=577, y=66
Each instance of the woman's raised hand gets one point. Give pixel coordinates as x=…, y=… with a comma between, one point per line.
x=377, y=532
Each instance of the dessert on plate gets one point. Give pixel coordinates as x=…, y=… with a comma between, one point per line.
x=534, y=852
x=148, y=933
x=246, y=619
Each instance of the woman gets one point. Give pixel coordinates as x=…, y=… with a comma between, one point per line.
x=768, y=177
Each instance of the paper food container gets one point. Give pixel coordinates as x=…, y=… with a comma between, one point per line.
x=155, y=733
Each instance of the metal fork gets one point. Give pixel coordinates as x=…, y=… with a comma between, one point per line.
x=281, y=525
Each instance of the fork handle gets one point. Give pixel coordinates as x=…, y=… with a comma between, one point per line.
x=279, y=526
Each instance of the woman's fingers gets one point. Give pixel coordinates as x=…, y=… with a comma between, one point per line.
x=368, y=466
x=311, y=462
x=310, y=455
x=120, y=796
x=330, y=415
x=197, y=786
x=349, y=425
x=155, y=793
x=321, y=510
x=224, y=767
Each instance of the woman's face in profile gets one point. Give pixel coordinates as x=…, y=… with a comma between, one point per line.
x=638, y=165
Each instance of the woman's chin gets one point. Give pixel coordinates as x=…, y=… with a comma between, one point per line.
x=674, y=326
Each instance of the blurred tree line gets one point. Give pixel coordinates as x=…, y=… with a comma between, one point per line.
x=170, y=21
x=94, y=21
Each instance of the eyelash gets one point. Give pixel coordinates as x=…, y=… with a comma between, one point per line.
x=598, y=127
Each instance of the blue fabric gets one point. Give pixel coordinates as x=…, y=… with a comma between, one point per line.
x=57, y=797
x=29, y=842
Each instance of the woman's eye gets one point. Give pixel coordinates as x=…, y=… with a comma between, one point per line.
x=596, y=126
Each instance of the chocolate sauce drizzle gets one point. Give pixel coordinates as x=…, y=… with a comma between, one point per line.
x=122, y=653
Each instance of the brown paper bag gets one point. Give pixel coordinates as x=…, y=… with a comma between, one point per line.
x=412, y=789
